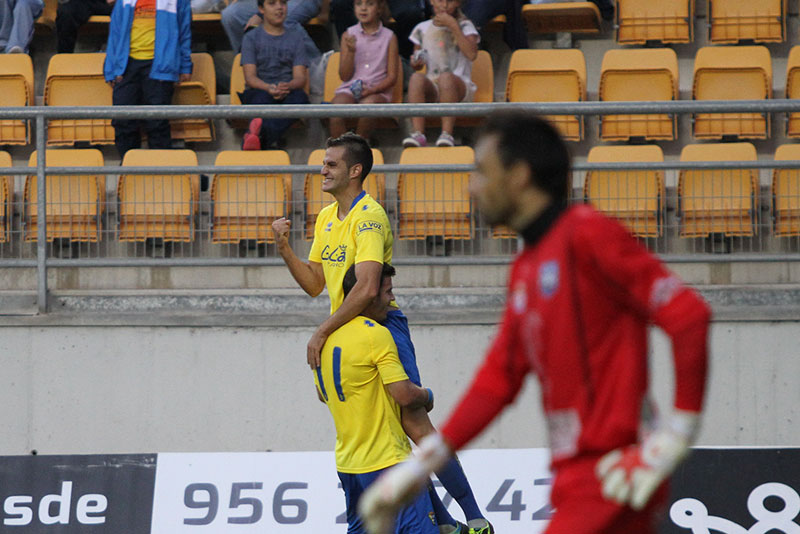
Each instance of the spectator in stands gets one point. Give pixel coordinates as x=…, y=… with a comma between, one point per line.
x=447, y=44
x=275, y=71
x=149, y=49
x=406, y=14
x=481, y=12
x=241, y=15
x=368, y=64
x=71, y=15
x=16, y=24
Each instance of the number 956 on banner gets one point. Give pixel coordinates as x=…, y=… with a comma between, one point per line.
x=199, y=493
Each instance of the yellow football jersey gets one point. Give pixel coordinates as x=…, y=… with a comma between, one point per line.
x=357, y=360
x=363, y=235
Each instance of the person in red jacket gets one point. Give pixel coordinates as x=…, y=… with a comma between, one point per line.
x=581, y=295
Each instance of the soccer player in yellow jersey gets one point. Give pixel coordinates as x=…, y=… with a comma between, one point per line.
x=364, y=385
x=355, y=230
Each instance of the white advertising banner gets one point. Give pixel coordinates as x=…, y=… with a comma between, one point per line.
x=294, y=492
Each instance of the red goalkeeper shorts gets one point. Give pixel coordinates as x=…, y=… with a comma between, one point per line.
x=580, y=507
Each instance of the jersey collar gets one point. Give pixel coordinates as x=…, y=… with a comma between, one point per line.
x=359, y=197
x=535, y=230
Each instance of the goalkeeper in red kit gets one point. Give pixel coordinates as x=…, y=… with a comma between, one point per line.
x=581, y=295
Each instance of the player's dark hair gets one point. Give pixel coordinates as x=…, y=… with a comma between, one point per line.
x=349, y=280
x=356, y=150
x=532, y=140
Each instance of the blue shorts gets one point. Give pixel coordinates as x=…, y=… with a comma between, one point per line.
x=416, y=518
x=397, y=324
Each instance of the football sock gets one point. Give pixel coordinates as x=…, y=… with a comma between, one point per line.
x=443, y=517
x=455, y=482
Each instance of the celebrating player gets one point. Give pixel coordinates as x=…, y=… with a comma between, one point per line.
x=355, y=230
x=364, y=385
x=580, y=297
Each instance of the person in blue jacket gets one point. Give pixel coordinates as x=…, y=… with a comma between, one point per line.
x=148, y=51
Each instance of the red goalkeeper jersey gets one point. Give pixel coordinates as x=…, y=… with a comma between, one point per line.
x=580, y=298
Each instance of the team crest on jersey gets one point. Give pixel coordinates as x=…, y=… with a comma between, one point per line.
x=369, y=226
x=548, y=278
x=328, y=227
x=334, y=255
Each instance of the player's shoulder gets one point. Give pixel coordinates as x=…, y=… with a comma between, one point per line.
x=585, y=221
x=369, y=215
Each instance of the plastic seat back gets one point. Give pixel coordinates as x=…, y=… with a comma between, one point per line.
x=667, y=21
x=200, y=91
x=793, y=90
x=435, y=204
x=573, y=17
x=786, y=193
x=732, y=21
x=16, y=86
x=6, y=200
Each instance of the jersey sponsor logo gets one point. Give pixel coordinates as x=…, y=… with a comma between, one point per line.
x=335, y=254
x=369, y=226
x=328, y=227
x=368, y=322
x=548, y=278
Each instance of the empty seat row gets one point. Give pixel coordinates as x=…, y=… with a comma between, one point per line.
x=77, y=80
x=729, y=21
x=242, y=206
x=720, y=73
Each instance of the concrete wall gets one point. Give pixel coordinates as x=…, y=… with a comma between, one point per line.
x=87, y=389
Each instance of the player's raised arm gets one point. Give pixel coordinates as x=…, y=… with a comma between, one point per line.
x=308, y=275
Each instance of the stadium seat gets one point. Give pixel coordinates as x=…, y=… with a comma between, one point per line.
x=573, y=17
x=732, y=73
x=315, y=199
x=483, y=77
x=6, y=199
x=762, y=21
x=793, y=91
x=244, y=205
x=332, y=82
x=718, y=200
x=550, y=76
x=634, y=197
x=200, y=91
x=77, y=80
x=786, y=193
x=435, y=204
x=638, y=75
x=667, y=21
x=75, y=203
x=16, y=86
x=158, y=206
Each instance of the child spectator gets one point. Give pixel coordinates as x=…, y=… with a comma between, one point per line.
x=275, y=71
x=148, y=51
x=447, y=44
x=16, y=24
x=368, y=64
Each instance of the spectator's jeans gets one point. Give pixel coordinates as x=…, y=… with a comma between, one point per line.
x=71, y=15
x=272, y=130
x=137, y=88
x=16, y=22
x=236, y=15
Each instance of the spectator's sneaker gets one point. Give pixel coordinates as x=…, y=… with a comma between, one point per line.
x=415, y=139
x=15, y=50
x=252, y=138
x=487, y=528
x=445, y=139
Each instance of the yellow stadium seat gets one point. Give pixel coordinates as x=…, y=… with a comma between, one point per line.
x=667, y=21
x=244, y=205
x=6, y=199
x=550, y=76
x=75, y=203
x=435, y=204
x=732, y=73
x=16, y=86
x=637, y=75
x=158, y=206
x=574, y=17
x=332, y=82
x=315, y=199
x=793, y=90
x=786, y=193
x=483, y=77
x=762, y=21
x=719, y=200
x=77, y=80
x=200, y=91
x=634, y=197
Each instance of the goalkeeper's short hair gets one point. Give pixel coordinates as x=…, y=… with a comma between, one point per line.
x=350, y=280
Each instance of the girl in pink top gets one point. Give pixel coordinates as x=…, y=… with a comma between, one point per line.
x=368, y=64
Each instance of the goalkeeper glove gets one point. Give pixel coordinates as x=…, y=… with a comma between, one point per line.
x=630, y=475
x=399, y=485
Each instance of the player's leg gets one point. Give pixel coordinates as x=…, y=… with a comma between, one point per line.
x=353, y=486
x=417, y=425
x=418, y=517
